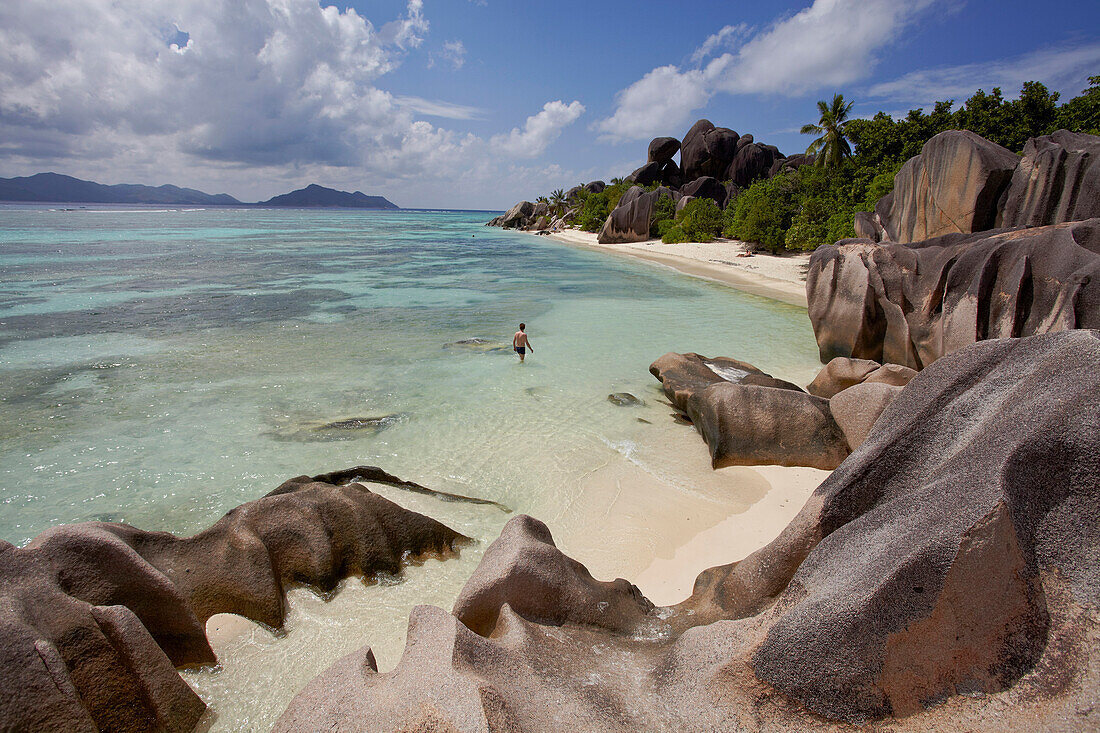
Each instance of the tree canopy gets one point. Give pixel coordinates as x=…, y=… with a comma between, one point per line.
x=832, y=147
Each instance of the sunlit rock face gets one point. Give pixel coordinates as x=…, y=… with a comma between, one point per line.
x=911, y=304
x=98, y=615
x=946, y=574
x=749, y=418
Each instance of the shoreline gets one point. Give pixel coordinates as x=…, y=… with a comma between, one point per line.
x=723, y=261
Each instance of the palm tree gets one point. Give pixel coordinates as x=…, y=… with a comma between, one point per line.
x=557, y=200
x=832, y=146
x=617, y=181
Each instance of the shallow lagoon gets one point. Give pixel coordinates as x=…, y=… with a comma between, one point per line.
x=161, y=366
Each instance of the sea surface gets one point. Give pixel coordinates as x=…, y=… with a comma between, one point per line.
x=161, y=366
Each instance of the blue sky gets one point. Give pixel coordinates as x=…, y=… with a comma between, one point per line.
x=478, y=103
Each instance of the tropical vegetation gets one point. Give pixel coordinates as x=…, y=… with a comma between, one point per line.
x=856, y=161
x=816, y=205
x=832, y=147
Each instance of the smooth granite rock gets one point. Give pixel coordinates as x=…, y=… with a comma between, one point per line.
x=912, y=304
x=842, y=373
x=707, y=151
x=661, y=149
x=749, y=418
x=706, y=187
x=856, y=409
x=519, y=216
x=1057, y=180
x=945, y=577
x=631, y=219
x=647, y=174
x=98, y=615
x=751, y=162
x=952, y=187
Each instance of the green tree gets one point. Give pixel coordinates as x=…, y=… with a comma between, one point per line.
x=557, y=201
x=832, y=146
x=1082, y=113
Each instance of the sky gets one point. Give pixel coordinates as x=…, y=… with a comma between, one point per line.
x=480, y=103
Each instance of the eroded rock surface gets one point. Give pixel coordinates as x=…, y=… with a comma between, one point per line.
x=947, y=574
x=97, y=615
x=749, y=418
x=842, y=373
x=1057, y=180
x=952, y=187
x=631, y=219
x=707, y=150
x=912, y=304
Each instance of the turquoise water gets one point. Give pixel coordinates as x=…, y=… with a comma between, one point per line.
x=161, y=366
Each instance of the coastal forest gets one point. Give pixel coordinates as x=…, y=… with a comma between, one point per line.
x=854, y=166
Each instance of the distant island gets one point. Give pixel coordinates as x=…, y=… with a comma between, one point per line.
x=319, y=196
x=58, y=188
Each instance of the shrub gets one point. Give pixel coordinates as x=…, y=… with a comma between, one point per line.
x=763, y=213
x=700, y=220
x=594, y=211
x=674, y=234
x=663, y=211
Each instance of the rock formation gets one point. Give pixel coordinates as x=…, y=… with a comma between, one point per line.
x=519, y=216
x=842, y=373
x=661, y=149
x=706, y=187
x=98, y=615
x=707, y=150
x=953, y=186
x=631, y=220
x=912, y=304
x=749, y=418
x=1057, y=180
x=751, y=161
x=962, y=183
x=946, y=575
x=716, y=163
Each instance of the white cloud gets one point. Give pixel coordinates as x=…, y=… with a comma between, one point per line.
x=256, y=97
x=720, y=40
x=454, y=53
x=438, y=108
x=660, y=101
x=539, y=131
x=829, y=44
x=1066, y=68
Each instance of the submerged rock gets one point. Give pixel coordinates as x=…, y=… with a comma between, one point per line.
x=624, y=399
x=944, y=577
x=98, y=615
x=350, y=428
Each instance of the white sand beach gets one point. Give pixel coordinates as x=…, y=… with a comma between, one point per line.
x=728, y=261
x=782, y=490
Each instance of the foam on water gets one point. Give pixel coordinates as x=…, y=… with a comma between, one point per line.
x=162, y=369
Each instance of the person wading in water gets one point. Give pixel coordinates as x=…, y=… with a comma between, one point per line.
x=521, y=343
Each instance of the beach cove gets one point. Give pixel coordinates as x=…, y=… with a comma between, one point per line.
x=173, y=364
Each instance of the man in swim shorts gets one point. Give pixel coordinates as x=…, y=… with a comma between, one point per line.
x=521, y=343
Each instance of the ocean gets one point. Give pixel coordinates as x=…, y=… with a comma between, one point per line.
x=159, y=366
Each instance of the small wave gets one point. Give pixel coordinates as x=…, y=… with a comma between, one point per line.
x=130, y=211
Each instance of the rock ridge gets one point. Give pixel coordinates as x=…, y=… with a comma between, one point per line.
x=98, y=615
